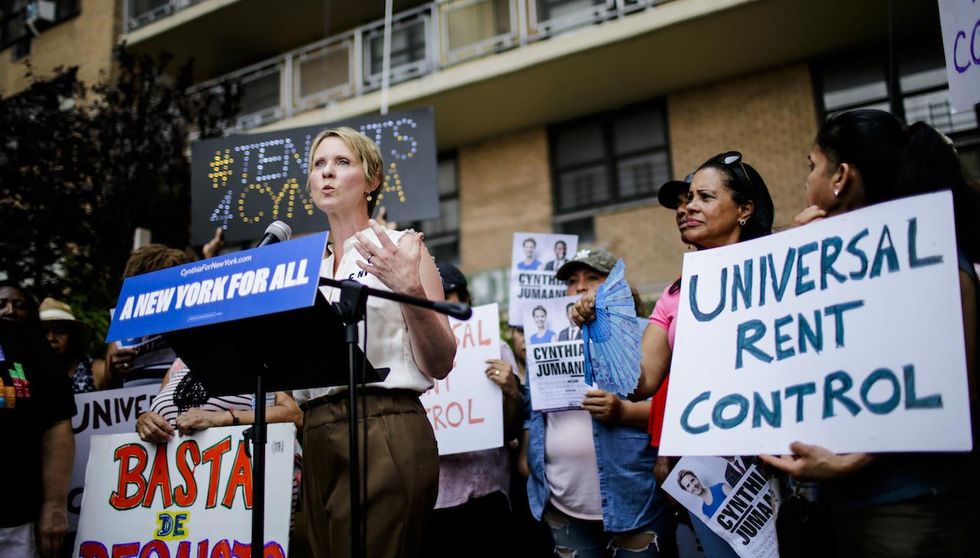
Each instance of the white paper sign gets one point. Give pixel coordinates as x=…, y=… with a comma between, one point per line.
x=733, y=498
x=466, y=409
x=536, y=257
x=190, y=497
x=960, y=22
x=845, y=333
x=555, y=361
x=101, y=412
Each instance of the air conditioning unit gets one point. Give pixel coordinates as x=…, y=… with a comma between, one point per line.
x=39, y=11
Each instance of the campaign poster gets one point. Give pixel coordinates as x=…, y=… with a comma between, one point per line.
x=274, y=278
x=189, y=497
x=242, y=183
x=555, y=357
x=466, y=408
x=102, y=412
x=846, y=333
x=535, y=259
x=733, y=497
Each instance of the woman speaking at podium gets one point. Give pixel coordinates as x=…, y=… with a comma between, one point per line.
x=417, y=345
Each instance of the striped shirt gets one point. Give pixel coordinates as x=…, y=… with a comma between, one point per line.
x=164, y=404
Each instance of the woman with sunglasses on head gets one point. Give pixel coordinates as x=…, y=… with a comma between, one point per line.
x=894, y=504
x=723, y=202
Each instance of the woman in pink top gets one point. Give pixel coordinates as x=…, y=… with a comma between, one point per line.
x=725, y=201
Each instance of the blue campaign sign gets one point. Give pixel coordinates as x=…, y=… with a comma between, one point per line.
x=254, y=282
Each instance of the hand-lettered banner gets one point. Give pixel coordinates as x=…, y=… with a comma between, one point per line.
x=274, y=278
x=466, y=409
x=242, y=183
x=846, y=333
x=555, y=357
x=189, y=497
x=535, y=259
x=101, y=412
x=960, y=23
x=732, y=497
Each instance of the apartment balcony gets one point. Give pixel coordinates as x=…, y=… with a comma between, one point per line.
x=425, y=39
x=493, y=65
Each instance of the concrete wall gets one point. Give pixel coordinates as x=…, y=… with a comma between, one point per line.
x=770, y=116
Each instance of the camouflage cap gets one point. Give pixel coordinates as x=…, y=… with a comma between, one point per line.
x=596, y=258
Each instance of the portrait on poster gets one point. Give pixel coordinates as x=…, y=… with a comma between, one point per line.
x=535, y=257
x=555, y=366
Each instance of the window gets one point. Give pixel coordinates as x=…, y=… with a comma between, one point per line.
x=22, y=19
x=920, y=92
x=442, y=233
x=606, y=160
x=408, y=51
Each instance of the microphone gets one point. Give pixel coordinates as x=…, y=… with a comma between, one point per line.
x=277, y=231
x=458, y=310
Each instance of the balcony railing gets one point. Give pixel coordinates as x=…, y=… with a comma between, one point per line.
x=143, y=12
x=424, y=40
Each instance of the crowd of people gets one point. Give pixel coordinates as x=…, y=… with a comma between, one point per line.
x=584, y=482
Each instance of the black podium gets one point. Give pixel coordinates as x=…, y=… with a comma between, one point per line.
x=296, y=349
x=315, y=346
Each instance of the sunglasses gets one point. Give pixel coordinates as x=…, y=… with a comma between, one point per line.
x=733, y=160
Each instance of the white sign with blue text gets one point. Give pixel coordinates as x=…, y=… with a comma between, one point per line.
x=960, y=22
x=846, y=333
x=254, y=282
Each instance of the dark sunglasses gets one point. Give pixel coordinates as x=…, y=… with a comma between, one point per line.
x=733, y=160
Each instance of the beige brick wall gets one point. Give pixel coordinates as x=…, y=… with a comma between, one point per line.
x=647, y=239
x=504, y=187
x=769, y=116
x=85, y=41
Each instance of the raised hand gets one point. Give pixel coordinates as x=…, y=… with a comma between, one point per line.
x=397, y=266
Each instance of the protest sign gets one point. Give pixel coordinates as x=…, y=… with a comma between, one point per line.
x=243, y=182
x=846, y=333
x=466, y=409
x=101, y=412
x=732, y=497
x=536, y=257
x=189, y=497
x=555, y=360
x=960, y=22
x=274, y=278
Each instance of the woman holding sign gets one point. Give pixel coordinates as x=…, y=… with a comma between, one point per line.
x=897, y=504
x=416, y=345
x=723, y=202
x=588, y=469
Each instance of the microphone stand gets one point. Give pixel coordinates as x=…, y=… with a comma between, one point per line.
x=352, y=308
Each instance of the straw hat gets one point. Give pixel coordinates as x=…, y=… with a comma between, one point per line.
x=54, y=311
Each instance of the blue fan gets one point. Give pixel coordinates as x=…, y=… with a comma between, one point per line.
x=612, y=341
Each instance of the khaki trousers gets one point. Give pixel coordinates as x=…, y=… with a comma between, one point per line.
x=402, y=475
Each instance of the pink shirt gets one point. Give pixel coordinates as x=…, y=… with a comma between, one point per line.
x=664, y=316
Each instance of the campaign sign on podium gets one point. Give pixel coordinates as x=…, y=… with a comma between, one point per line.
x=255, y=282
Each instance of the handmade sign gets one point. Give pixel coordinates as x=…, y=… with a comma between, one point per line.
x=466, y=409
x=846, y=333
x=101, y=412
x=189, y=497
